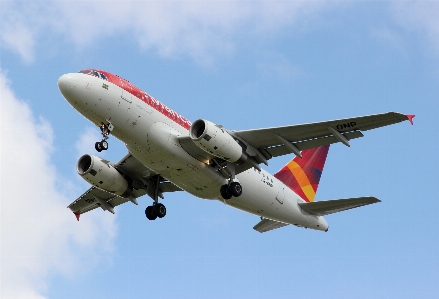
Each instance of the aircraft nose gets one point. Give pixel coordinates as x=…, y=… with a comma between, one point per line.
x=65, y=84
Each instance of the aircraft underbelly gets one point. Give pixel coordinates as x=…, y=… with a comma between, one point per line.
x=161, y=152
x=151, y=138
x=260, y=197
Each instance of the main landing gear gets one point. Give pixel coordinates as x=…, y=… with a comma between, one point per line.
x=154, y=211
x=157, y=209
x=231, y=189
x=105, y=131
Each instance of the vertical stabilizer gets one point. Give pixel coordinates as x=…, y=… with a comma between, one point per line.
x=302, y=175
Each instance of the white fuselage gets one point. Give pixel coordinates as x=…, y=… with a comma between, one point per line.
x=151, y=136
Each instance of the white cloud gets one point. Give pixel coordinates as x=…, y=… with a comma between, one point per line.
x=278, y=66
x=198, y=29
x=87, y=140
x=39, y=235
x=15, y=33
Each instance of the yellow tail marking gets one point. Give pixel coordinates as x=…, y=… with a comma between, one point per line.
x=303, y=180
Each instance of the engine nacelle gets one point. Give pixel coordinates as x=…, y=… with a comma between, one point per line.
x=216, y=141
x=103, y=175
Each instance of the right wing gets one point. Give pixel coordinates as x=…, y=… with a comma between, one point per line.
x=321, y=208
x=264, y=144
x=277, y=141
x=143, y=182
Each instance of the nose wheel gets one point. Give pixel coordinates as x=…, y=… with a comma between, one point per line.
x=105, y=131
x=101, y=146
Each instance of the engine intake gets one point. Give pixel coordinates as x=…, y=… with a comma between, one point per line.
x=103, y=175
x=216, y=141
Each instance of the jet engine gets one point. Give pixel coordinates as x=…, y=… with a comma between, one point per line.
x=215, y=140
x=103, y=175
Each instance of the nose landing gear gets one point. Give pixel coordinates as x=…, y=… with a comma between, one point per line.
x=105, y=131
x=101, y=146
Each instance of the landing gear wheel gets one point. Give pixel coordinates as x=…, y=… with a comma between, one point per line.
x=104, y=145
x=105, y=131
x=98, y=146
x=225, y=192
x=160, y=210
x=150, y=213
x=235, y=189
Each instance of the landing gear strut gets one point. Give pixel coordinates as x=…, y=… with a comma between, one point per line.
x=233, y=188
x=105, y=131
x=157, y=209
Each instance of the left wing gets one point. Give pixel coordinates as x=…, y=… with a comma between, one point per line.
x=94, y=198
x=143, y=180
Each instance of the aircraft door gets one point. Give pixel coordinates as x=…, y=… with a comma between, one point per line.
x=126, y=95
x=281, y=192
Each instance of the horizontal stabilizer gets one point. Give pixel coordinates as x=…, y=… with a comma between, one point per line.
x=266, y=224
x=322, y=208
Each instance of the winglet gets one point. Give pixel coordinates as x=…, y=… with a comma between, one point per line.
x=410, y=117
x=77, y=215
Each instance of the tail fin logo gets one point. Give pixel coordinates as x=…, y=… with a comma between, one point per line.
x=302, y=175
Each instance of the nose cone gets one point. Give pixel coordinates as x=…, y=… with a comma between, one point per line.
x=65, y=85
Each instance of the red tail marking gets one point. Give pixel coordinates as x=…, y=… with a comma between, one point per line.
x=302, y=175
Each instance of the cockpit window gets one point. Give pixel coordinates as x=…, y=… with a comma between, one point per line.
x=94, y=73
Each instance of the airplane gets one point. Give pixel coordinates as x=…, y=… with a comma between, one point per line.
x=168, y=153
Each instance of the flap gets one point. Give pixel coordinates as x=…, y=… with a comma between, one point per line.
x=322, y=208
x=276, y=151
x=267, y=224
x=87, y=201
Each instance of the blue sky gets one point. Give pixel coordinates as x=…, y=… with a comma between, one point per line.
x=243, y=65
